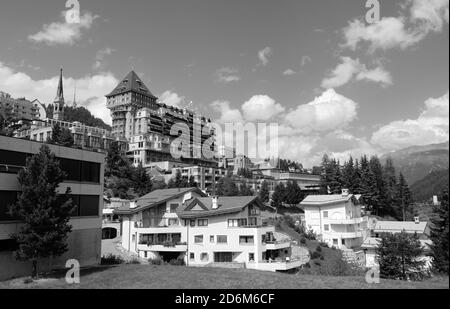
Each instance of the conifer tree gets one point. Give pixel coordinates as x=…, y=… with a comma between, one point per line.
x=142, y=183
x=227, y=187
x=403, y=199
x=44, y=212
x=399, y=257
x=439, y=234
x=264, y=192
x=278, y=196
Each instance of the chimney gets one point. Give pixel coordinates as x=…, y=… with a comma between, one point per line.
x=345, y=192
x=416, y=220
x=435, y=201
x=215, y=202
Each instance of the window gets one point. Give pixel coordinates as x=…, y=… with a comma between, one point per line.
x=211, y=239
x=237, y=222
x=173, y=222
x=335, y=242
x=222, y=239
x=325, y=214
x=203, y=222
x=204, y=257
x=6, y=199
x=8, y=245
x=85, y=205
x=343, y=242
x=191, y=256
x=173, y=208
x=251, y=257
x=12, y=158
x=327, y=227
x=192, y=223
x=246, y=240
x=253, y=221
x=198, y=239
x=90, y=172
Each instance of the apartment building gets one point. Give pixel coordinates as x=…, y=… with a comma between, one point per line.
x=204, y=231
x=85, y=172
x=21, y=109
x=336, y=219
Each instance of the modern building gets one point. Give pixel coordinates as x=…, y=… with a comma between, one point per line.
x=85, y=173
x=336, y=219
x=151, y=127
x=203, y=231
x=379, y=228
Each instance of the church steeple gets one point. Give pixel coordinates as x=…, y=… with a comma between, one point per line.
x=58, y=112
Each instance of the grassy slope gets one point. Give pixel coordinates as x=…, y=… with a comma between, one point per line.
x=173, y=277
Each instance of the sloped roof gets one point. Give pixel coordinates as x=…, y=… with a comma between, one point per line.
x=396, y=226
x=131, y=82
x=372, y=243
x=226, y=205
x=321, y=200
x=156, y=198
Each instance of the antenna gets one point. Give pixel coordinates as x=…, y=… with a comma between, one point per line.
x=75, y=96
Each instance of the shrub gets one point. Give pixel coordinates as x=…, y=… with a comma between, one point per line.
x=177, y=262
x=323, y=244
x=134, y=261
x=112, y=259
x=303, y=241
x=319, y=249
x=315, y=255
x=156, y=261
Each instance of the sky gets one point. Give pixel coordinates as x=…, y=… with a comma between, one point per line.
x=333, y=82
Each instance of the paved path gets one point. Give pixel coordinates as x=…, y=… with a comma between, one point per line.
x=113, y=246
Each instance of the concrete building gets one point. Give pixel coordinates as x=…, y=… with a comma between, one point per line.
x=85, y=172
x=204, y=231
x=336, y=219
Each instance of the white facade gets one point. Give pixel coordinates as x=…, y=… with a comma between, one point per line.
x=236, y=238
x=336, y=219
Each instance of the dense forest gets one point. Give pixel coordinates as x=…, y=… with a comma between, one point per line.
x=80, y=114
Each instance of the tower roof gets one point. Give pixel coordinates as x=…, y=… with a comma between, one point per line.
x=133, y=83
x=60, y=92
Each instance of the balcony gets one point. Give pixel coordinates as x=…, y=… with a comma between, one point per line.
x=349, y=235
x=348, y=221
x=278, y=244
x=167, y=246
x=276, y=265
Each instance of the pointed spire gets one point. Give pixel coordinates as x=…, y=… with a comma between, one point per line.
x=60, y=92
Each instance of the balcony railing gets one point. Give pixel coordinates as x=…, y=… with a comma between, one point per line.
x=348, y=220
x=10, y=169
x=166, y=244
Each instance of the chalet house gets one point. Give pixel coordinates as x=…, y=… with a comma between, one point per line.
x=203, y=231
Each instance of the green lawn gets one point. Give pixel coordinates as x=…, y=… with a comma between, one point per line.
x=178, y=277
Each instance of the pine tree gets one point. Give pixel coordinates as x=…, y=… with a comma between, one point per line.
x=348, y=175
x=117, y=164
x=244, y=190
x=227, y=187
x=377, y=193
x=264, y=192
x=179, y=181
x=192, y=182
x=356, y=188
x=278, y=196
x=44, y=212
x=142, y=183
x=403, y=199
x=294, y=194
x=56, y=134
x=439, y=235
x=399, y=257
x=390, y=181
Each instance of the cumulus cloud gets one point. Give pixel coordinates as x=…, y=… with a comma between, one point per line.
x=264, y=54
x=350, y=69
x=171, y=98
x=91, y=89
x=63, y=33
x=329, y=111
x=227, y=75
x=227, y=114
x=289, y=72
x=416, y=21
x=261, y=107
x=100, y=57
x=432, y=126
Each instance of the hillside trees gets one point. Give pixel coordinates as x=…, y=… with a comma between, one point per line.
x=439, y=234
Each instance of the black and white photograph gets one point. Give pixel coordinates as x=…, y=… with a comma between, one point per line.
x=223, y=151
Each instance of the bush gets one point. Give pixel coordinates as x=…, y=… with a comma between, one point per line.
x=134, y=261
x=177, y=262
x=303, y=241
x=315, y=255
x=157, y=261
x=323, y=244
x=319, y=249
x=112, y=259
